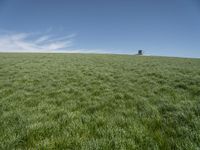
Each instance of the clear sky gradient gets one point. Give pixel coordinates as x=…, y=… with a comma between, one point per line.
x=159, y=27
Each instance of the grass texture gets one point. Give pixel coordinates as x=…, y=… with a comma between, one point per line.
x=99, y=102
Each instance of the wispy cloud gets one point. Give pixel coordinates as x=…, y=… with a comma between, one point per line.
x=41, y=42
x=30, y=42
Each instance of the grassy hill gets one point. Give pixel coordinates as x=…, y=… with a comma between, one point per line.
x=82, y=101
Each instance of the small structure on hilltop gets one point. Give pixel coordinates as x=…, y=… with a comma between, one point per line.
x=140, y=52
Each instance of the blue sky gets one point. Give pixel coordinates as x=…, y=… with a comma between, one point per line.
x=168, y=28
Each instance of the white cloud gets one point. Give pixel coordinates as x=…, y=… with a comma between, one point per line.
x=28, y=42
x=42, y=39
x=40, y=42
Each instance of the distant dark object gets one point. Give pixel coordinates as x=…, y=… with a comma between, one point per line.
x=140, y=52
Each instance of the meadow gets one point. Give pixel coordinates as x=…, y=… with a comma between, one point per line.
x=101, y=102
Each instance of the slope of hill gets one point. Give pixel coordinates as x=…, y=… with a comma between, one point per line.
x=88, y=101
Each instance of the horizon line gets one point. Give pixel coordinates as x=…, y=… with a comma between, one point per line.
x=93, y=53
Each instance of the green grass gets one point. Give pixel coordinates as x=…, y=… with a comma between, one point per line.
x=104, y=102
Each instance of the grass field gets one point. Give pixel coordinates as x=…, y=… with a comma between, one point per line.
x=104, y=102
